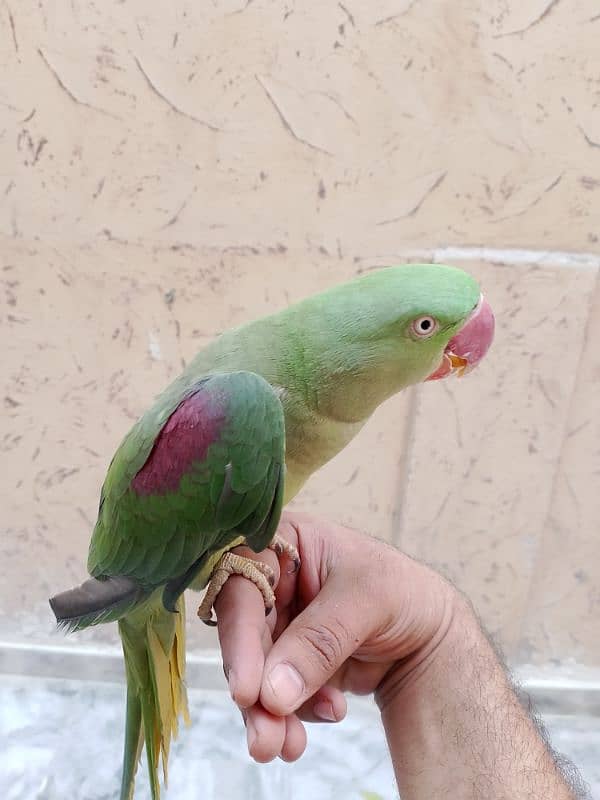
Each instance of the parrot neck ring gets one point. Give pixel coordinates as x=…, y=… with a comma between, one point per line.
x=466, y=349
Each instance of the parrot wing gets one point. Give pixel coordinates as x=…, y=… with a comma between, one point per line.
x=211, y=475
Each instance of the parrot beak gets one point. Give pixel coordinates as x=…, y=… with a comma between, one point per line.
x=465, y=350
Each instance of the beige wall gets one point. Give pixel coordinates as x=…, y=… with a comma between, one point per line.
x=167, y=173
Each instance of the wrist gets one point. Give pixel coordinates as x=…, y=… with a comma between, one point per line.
x=455, y=726
x=457, y=627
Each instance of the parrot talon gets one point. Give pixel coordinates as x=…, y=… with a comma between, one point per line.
x=230, y=564
x=266, y=571
x=282, y=547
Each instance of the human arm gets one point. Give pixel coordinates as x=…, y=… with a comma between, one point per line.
x=455, y=726
x=362, y=617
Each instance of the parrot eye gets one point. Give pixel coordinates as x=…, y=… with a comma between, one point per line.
x=423, y=327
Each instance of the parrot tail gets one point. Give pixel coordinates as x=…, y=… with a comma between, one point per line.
x=154, y=649
x=96, y=600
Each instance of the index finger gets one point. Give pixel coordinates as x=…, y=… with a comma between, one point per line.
x=241, y=626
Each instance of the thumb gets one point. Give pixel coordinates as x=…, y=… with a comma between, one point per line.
x=311, y=650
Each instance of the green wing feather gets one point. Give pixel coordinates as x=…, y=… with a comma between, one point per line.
x=230, y=490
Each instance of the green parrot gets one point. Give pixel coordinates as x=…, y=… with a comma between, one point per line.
x=214, y=459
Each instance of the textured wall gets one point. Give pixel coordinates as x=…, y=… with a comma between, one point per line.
x=168, y=171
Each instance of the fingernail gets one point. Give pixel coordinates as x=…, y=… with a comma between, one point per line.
x=232, y=682
x=286, y=684
x=324, y=711
x=250, y=734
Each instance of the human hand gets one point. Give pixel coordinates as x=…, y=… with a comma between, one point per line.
x=358, y=616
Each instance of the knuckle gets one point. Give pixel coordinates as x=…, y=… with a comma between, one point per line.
x=327, y=643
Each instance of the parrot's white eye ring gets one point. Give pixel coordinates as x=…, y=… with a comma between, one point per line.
x=424, y=327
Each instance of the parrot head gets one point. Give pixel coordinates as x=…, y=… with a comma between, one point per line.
x=415, y=322
x=388, y=329
x=445, y=320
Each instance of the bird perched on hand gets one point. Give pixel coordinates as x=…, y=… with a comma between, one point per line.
x=212, y=462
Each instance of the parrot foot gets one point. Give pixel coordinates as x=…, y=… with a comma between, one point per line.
x=230, y=564
x=281, y=546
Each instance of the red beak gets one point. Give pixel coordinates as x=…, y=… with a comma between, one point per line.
x=465, y=350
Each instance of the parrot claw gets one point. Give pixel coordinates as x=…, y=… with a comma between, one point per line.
x=230, y=564
x=282, y=547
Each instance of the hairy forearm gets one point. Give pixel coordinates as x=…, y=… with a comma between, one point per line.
x=456, y=729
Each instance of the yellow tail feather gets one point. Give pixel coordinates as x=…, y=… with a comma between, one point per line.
x=154, y=648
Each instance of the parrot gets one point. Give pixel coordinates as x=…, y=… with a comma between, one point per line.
x=228, y=443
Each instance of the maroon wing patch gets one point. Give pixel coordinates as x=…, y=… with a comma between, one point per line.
x=184, y=439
